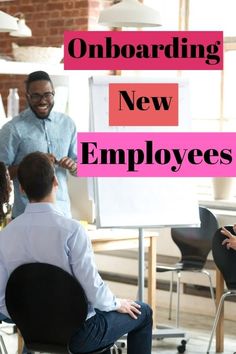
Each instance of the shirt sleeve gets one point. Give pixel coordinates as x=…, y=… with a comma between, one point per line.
x=9, y=143
x=3, y=282
x=72, y=153
x=83, y=266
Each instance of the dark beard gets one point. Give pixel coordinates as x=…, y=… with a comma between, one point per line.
x=40, y=117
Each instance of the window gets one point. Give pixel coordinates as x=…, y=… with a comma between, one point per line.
x=212, y=92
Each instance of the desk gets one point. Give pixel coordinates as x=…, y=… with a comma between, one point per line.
x=118, y=239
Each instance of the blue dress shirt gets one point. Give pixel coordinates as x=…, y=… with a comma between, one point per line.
x=25, y=134
x=43, y=234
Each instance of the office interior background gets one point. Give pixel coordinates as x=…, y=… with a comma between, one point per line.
x=212, y=106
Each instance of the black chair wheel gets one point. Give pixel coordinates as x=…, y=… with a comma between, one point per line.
x=115, y=351
x=181, y=348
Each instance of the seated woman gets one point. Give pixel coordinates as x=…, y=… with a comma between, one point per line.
x=5, y=190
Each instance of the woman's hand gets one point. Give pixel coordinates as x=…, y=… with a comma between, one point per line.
x=230, y=241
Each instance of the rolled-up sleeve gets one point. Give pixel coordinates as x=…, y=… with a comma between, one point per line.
x=73, y=145
x=9, y=144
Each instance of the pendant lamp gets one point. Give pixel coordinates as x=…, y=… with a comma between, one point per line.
x=129, y=13
x=8, y=23
x=23, y=30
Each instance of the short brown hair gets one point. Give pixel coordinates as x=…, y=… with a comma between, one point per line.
x=35, y=174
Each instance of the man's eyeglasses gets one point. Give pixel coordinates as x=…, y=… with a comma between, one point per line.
x=37, y=97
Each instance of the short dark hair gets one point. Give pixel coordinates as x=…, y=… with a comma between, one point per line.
x=4, y=191
x=36, y=174
x=37, y=76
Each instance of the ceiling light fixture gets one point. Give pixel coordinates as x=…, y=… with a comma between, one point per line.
x=130, y=13
x=23, y=30
x=8, y=23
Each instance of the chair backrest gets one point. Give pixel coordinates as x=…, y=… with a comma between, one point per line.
x=47, y=304
x=195, y=243
x=225, y=259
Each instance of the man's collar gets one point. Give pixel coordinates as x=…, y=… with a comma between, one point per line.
x=40, y=207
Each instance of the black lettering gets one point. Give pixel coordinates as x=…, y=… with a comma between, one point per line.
x=162, y=156
x=226, y=156
x=142, y=51
x=162, y=102
x=96, y=51
x=77, y=50
x=128, y=51
x=141, y=101
x=109, y=156
x=179, y=159
x=127, y=99
x=155, y=48
x=135, y=157
x=184, y=48
x=149, y=149
x=172, y=50
x=208, y=154
x=212, y=49
x=197, y=51
x=112, y=50
x=193, y=154
x=86, y=152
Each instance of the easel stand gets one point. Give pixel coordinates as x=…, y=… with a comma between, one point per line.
x=161, y=331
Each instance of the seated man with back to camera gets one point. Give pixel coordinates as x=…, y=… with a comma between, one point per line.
x=43, y=234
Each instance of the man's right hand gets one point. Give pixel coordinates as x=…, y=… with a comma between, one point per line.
x=129, y=306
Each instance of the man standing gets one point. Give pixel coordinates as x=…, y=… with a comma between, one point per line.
x=38, y=128
x=42, y=234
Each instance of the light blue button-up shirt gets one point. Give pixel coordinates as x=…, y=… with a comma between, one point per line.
x=25, y=134
x=43, y=234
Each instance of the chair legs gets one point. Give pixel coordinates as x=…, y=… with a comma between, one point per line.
x=171, y=294
x=20, y=342
x=203, y=271
x=178, y=296
x=178, y=299
x=218, y=312
x=3, y=349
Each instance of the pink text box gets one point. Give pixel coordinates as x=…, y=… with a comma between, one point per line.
x=143, y=104
x=143, y=50
x=156, y=154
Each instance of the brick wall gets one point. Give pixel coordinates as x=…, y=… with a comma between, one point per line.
x=48, y=19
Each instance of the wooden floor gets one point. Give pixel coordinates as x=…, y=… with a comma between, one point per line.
x=197, y=329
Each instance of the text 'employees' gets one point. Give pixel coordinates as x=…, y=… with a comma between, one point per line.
x=91, y=154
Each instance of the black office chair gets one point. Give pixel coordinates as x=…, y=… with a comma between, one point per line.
x=225, y=261
x=47, y=304
x=194, y=244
